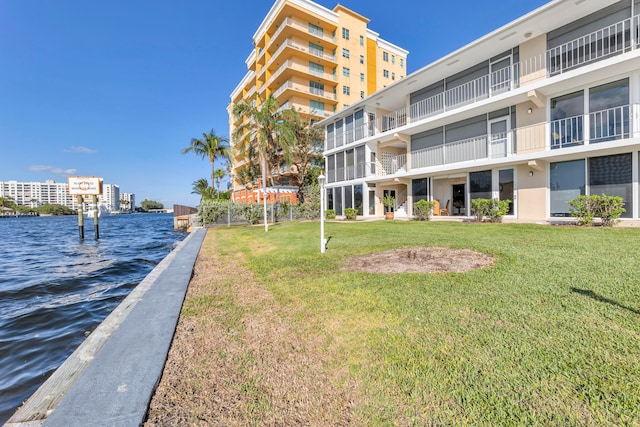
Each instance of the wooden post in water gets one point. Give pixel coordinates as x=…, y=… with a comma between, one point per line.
x=80, y=218
x=95, y=217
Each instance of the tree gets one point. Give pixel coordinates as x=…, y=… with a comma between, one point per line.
x=211, y=146
x=219, y=175
x=200, y=187
x=307, y=154
x=147, y=205
x=267, y=134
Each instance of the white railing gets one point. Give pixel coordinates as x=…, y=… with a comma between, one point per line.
x=393, y=163
x=602, y=43
x=607, y=125
x=567, y=132
x=394, y=120
x=459, y=151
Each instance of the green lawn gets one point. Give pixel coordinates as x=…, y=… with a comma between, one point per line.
x=550, y=335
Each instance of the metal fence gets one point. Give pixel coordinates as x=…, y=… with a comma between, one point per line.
x=212, y=214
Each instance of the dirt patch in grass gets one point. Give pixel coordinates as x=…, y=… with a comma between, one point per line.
x=420, y=260
x=239, y=358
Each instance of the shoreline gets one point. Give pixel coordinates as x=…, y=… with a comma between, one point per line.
x=147, y=316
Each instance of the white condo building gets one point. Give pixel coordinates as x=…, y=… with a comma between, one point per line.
x=539, y=111
x=110, y=197
x=129, y=202
x=35, y=194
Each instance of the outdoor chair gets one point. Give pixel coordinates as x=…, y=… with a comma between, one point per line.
x=444, y=211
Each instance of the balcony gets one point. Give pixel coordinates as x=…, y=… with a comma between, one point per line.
x=306, y=50
x=295, y=68
x=304, y=89
x=295, y=25
x=601, y=44
x=593, y=128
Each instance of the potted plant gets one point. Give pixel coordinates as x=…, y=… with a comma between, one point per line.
x=389, y=202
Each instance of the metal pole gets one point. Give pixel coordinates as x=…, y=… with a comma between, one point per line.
x=95, y=217
x=323, y=245
x=80, y=218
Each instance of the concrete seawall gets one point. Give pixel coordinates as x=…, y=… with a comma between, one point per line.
x=110, y=378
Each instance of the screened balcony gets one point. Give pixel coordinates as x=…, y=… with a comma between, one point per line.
x=603, y=43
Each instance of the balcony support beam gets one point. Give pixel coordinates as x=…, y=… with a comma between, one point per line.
x=538, y=99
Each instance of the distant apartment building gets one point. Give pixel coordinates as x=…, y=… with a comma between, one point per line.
x=110, y=197
x=128, y=203
x=538, y=112
x=34, y=194
x=315, y=60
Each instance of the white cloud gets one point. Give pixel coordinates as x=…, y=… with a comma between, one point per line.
x=76, y=149
x=57, y=171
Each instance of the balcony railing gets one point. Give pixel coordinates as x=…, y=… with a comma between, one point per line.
x=601, y=44
x=302, y=48
x=606, y=125
x=305, y=89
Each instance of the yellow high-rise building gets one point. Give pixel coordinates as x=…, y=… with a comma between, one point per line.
x=316, y=60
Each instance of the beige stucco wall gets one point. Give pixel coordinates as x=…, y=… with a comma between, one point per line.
x=532, y=64
x=532, y=193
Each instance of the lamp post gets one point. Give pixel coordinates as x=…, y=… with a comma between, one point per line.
x=321, y=180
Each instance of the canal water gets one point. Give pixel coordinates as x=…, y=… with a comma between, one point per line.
x=56, y=289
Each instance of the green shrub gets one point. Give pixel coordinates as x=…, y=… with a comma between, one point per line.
x=423, y=209
x=330, y=214
x=350, y=213
x=586, y=208
x=492, y=209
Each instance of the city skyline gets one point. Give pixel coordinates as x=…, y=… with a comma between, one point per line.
x=119, y=89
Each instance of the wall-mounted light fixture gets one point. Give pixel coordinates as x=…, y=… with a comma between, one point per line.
x=530, y=173
x=530, y=110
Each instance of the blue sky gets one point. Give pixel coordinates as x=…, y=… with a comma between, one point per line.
x=117, y=88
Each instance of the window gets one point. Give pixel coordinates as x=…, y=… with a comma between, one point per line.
x=362, y=59
x=385, y=73
x=317, y=107
x=357, y=198
x=315, y=30
x=567, y=181
x=346, y=90
x=346, y=72
x=393, y=59
x=611, y=175
x=505, y=179
x=480, y=185
x=401, y=63
x=345, y=33
x=393, y=76
x=316, y=88
x=345, y=53
x=316, y=69
x=361, y=94
x=566, y=120
x=362, y=77
x=316, y=49
x=361, y=40
x=609, y=111
x=385, y=56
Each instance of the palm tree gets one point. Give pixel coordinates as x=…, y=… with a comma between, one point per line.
x=219, y=175
x=267, y=133
x=201, y=187
x=212, y=146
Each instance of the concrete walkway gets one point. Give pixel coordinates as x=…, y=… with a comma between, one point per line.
x=115, y=387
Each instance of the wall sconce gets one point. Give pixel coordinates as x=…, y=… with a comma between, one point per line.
x=530, y=110
x=530, y=173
